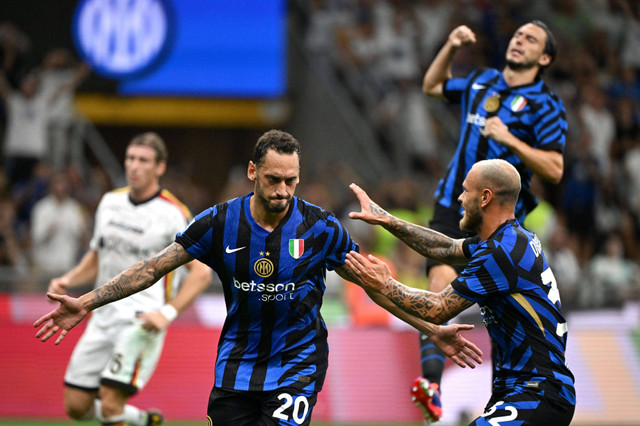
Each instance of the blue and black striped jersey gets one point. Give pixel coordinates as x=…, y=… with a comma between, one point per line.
x=273, y=282
x=508, y=276
x=532, y=113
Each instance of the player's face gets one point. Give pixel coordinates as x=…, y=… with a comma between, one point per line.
x=470, y=201
x=142, y=170
x=276, y=180
x=526, y=48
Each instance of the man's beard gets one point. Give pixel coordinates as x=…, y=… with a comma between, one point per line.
x=520, y=66
x=270, y=207
x=472, y=219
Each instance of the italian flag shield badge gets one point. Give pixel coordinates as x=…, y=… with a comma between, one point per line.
x=518, y=103
x=296, y=248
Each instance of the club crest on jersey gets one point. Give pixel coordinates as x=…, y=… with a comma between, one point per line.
x=492, y=103
x=263, y=267
x=518, y=103
x=296, y=248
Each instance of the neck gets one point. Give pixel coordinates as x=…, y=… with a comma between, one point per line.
x=519, y=77
x=268, y=220
x=490, y=224
x=144, y=194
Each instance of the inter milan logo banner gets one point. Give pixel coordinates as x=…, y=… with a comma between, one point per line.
x=296, y=248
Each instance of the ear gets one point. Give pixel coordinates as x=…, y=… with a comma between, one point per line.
x=544, y=60
x=161, y=168
x=252, y=171
x=487, y=196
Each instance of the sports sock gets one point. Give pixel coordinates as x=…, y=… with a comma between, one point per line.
x=130, y=415
x=431, y=360
x=134, y=416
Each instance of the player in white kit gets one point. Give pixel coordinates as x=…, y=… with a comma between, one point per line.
x=121, y=346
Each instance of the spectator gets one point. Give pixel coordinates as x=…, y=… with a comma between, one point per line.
x=613, y=279
x=60, y=73
x=59, y=231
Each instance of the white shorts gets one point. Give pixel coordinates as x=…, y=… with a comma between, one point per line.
x=123, y=354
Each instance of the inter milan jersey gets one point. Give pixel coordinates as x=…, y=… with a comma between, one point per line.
x=273, y=282
x=508, y=276
x=532, y=113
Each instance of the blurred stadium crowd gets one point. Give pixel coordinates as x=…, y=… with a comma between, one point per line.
x=379, y=50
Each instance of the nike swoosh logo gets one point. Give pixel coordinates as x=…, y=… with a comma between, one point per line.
x=228, y=250
x=476, y=86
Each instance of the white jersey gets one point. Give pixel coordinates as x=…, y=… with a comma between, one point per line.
x=127, y=232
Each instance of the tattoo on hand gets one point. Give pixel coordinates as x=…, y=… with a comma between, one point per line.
x=377, y=210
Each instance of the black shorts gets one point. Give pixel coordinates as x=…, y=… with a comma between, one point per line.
x=524, y=406
x=446, y=220
x=283, y=407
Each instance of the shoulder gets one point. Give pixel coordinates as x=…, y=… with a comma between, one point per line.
x=314, y=212
x=541, y=93
x=115, y=196
x=173, y=201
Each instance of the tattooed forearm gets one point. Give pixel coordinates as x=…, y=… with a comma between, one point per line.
x=432, y=307
x=139, y=276
x=427, y=242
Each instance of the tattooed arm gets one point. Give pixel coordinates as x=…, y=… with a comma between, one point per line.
x=374, y=276
x=425, y=241
x=132, y=280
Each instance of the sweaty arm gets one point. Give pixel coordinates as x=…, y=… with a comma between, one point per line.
x=132, y=280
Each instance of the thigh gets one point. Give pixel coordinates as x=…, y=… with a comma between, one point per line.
x=233, y=408
x=525, y=407
x=135, y=356
x=288, y=407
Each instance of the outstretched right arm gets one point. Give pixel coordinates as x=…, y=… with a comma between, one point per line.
x=132, y=280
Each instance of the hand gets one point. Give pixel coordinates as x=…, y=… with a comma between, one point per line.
x=495, y=129
x=370, y=212
x=448, y=339
x=371, y=274
x=154, y=321
x=461, y=36
x=68, y=315
x=58, y=285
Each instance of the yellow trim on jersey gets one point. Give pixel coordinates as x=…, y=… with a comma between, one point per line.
x=174, y=200
x=168, y=286
x=527, y=306
x=120, y=190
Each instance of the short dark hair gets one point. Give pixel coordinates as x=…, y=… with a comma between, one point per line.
x=277, y=140
x=152, y=140
x=550, y=46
